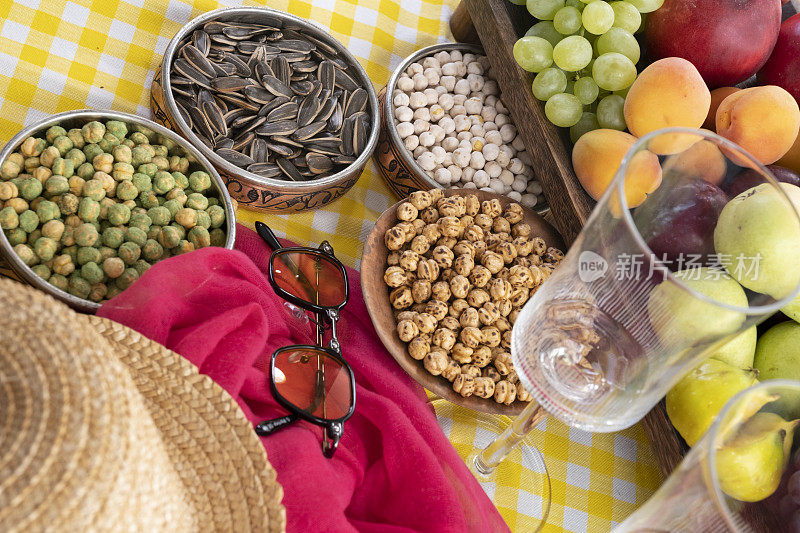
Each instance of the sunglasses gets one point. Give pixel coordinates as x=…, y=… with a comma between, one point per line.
x=312, y=382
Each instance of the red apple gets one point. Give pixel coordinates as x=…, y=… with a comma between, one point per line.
x=783, y=66
x=727, y=40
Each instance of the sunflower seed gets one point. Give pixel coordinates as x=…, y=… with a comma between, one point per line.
x=182, y=66
x=258, y=150
x=344, y=159
x=276, y=87
x=282, y=69
x=265, y=170
x=201, y=41
x=200, y=122
x=344, y=81
x=237, y=100
x=225, y=142
x=360, y=136
x=243, y=141
x=214, y=117
x=184, y=115
x=308, y=110
x=242, y=68
x=287, y=141
x=229, y=84
x=280, y=149
x=357, y=102
x=318, y=163
x=348, y=128
x=309, y=131
x=287, y=111
x=302, y=88
x=282, y=127
x=198, y=60
x=336, y=118
x=237, y=158
x=326, y=74
x=289, y=170
x=258, y=95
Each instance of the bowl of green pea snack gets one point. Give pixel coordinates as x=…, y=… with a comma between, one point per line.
x=90, y=200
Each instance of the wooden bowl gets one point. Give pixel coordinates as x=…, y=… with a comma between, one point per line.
x=376, y=296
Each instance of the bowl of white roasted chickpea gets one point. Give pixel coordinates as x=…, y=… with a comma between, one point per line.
x=444, y=125
x=445, y=273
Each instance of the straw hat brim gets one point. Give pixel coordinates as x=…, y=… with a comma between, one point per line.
x=220, y=460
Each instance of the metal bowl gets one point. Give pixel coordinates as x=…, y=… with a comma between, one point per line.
x=72, y=119
x=396, y=163
x=250, y=190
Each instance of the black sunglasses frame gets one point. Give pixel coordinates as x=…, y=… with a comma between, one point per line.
x=328, y=256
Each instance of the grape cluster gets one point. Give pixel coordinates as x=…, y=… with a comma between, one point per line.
x=785, y=503
x=584, y=54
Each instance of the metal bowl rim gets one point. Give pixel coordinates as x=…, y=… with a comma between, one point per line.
x=92, y=114
x=280, y=185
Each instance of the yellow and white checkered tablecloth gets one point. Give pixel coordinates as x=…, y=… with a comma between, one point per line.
x=57, y=55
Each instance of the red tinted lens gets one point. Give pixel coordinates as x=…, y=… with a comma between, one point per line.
x=311, y=277
x=314, y=382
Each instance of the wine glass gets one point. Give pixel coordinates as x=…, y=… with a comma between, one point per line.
x=673, y=263
x=737, y=476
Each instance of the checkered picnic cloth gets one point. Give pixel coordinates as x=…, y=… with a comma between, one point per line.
x=57, y=55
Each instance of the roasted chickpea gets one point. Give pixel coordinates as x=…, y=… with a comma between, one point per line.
x=404, y=315
x=459, y=286
x=507, y=251
x=447, y=242
x=491, y=207
x=408, y=229
x=492, y=240
x=444, y=338
x=427, y=270
x=519, y=297
x=504, y=306
x=523, y=230
x=395, y=277
x=450, y=322
x=420, y=244
x=425, y=322
x=436, y=195
x=523, y=245
x=502, y=362
x=447, y=274
x=471, y=337
x=480, y=249
x=499, y=289
x=512, y=316
x=393, y=259
x=523, y=395
x=457, y=307
x=501, y=225
x=448, y=207
x=491, y=372
x=419, y=225
x=472, y=204
x=443, y=256
x=477, y=297
x=452, y=371
x=464, y=248
x=512, y=377
x=429, y=215
x=407, y=330
x=473, y=233
x=471, y=370
x=464, y=264
x=421, y=291
x=502, y=324
x=484, y=387
x=553, y=255
x=482, y=356
x=435, y=362
x=449, y=226
x=505, y=392
x=395, y=238
x=418, y=348
x=462, y=354
x=408, y=260
x=488, y=314
x=491, y=336
x=505, y=340
x=437, y=309
x=431, y=232
x=480, y=276
x=519, y=276
x=406, y=211
x=464, y=384
x=441, y=291
x=420, y=199
x=401, y=298
x=483, y=221
x=469, y=318
x=492, y=261
x=514, y=213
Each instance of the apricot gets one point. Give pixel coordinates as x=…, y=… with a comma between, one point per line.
x=762, y=120
x=597, y=156
x=717, y=96
x=702, y=160
x=668, y=93
x=791, y=159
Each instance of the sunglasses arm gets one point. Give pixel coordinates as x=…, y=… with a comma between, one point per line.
x=330, y=441
x=269, y=237
x=268, y=427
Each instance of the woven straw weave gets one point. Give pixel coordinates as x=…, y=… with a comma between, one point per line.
x=102, y=429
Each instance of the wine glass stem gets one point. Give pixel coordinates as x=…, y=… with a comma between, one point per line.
x=498, y=450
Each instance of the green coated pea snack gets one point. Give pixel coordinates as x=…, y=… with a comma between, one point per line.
x=91, y=206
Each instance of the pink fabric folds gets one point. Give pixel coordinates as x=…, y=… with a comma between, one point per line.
x=394, y=471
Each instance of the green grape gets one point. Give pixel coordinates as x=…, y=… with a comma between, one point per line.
x=573, y=53
x=619, y=40
x=610, y=112
x=623, y=92
x=534, y=54
x=544, y=9
x=545, y=30
x=570, y=88
x=567, y=20
x=641, y=26
x=563, y=110
x=586, y=90
x=577, y=4
x=626, y=16
x=588, y=122
x=598, y=17
x=613, y=71
x=548, y=82
x=646, y=6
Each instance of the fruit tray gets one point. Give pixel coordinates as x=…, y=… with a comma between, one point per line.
x=497, y=24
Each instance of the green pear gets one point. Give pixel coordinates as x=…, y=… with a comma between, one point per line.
x=678, y=316
x=778, y=357
x=750, y=464
x=792, y=310
x=694, y=402
x=739, y=351
x=761, y=227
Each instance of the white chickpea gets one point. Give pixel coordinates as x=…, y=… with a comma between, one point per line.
x=490, y=100
x=501, y=106
x=476, y=160
x=481, y=179
x=519, y=184
x=477, y=144
x=450, y=69
x=414, y=68
x=475, y=68
x=517, y=144
x=426, y=161
x=491, y=88
x=405, y=129
x=461, y=157
x=515, y=165
x=417, y=100
x=459, y=99
x=475, y=119
x=431, y=62
x=404, y=114
x=423, y=113
x=405, y=84
x=534, y=187
x=456, y=172
x=438, y=132
x=469, y=185
x=435, y=112
x=501, y=119
x=446, y=101
x=462, y=87
x=448, y=82
x=476, y=82
x=461, y=123
x=421, y=126
x=458, y=111
x=411, y=142
x=464, y=143
x=432, y=76
x=431, y=96
x=438, y=154
x=448, y=159
x=427, y=139
x=468, y=58
x=488, y=112
x=494, y=137
x=441, y=90
x=494, y=170
x=477, y=130
x=443, y=57
x=473, y=106
x=442, y=176
x=419, y=150
x=450, y=144
x=447, y=124
x=468, y=174
x=490, y=126
x=497, y=186
x=508, y=132
x=529, y=200
x=507, y=178
x=490, y=151
x=504, y=156
x=456, y=55
x=515, y=195
x=420, y=82
x=401, y=100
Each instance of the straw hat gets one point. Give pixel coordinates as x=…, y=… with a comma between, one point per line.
x=104, y=430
